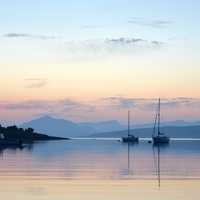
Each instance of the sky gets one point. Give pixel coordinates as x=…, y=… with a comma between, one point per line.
x=93, y=60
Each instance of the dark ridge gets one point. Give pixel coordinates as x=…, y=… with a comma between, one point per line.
x=26, y=135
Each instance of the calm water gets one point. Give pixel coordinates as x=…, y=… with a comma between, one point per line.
x=101, y=159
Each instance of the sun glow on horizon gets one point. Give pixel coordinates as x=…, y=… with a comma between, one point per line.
x=97, y=56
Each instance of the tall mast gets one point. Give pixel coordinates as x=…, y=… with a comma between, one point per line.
x=159, y=116
x=129, y=123
x=155, y=123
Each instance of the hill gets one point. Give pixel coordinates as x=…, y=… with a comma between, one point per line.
x=172, y=131
x=66, y=128
x=58, y=127
x=25, y=135
x=105, y=126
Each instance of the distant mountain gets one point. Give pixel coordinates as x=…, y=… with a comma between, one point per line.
x=58, y=127
x=172, y=131
x=181, y=123
x=169, y=123
x=105, y=126
x=65, y=128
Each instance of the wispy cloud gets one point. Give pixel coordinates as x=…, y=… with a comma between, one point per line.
x=123, y=40
x=35, y=82
x=26, y=35
x=150, y=103
x=61, y=106
x=150, y=23
x=111, y=46
x=26, y=105
x=117, y=102
x=134, y=42
x=120, y=102
x=112, y=107
x=157, y=43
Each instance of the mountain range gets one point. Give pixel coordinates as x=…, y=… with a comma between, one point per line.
x=172, y=131
x=66, y=128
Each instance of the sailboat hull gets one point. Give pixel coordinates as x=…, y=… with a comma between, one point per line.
x=161, y=139
x=131, y=139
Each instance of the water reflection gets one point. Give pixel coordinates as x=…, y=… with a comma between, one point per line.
x=130, y=158
x=90, y=159
x=157, y=159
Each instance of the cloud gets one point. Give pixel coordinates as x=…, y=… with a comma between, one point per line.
x=157, y=43
x=127, y=102
x=125, y=40
x=26, y=35
x=105, y=108
x=62, y=106
x=15, y=35
x=35, y=82
x=111, y=46
x=116, y=102
x=138, y=42
x=133, y=42
x=26, y=105
x=120, y=102
x=69, y=104
x=41, y=104
x=150, y=23
x=181, y=101
x=150, y=103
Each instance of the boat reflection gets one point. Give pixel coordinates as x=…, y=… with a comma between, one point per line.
x=105, y=160
x=130, y=159
x=157, y=159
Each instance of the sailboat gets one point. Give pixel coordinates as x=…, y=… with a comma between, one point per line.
x=130, y=138
x=159, y=138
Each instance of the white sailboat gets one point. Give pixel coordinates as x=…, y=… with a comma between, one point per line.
x=130, y=138
x=159, y=137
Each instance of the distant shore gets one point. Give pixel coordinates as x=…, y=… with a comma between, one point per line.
x=25, y=135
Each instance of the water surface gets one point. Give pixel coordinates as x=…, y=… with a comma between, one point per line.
x=105, y=159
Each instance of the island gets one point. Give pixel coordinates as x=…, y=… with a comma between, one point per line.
x=24, y=135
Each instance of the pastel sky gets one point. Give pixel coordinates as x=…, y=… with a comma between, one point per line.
x=92, y=60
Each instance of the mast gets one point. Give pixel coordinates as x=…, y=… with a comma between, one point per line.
x=128, y=123
x=159, y=116
x=155, y=123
